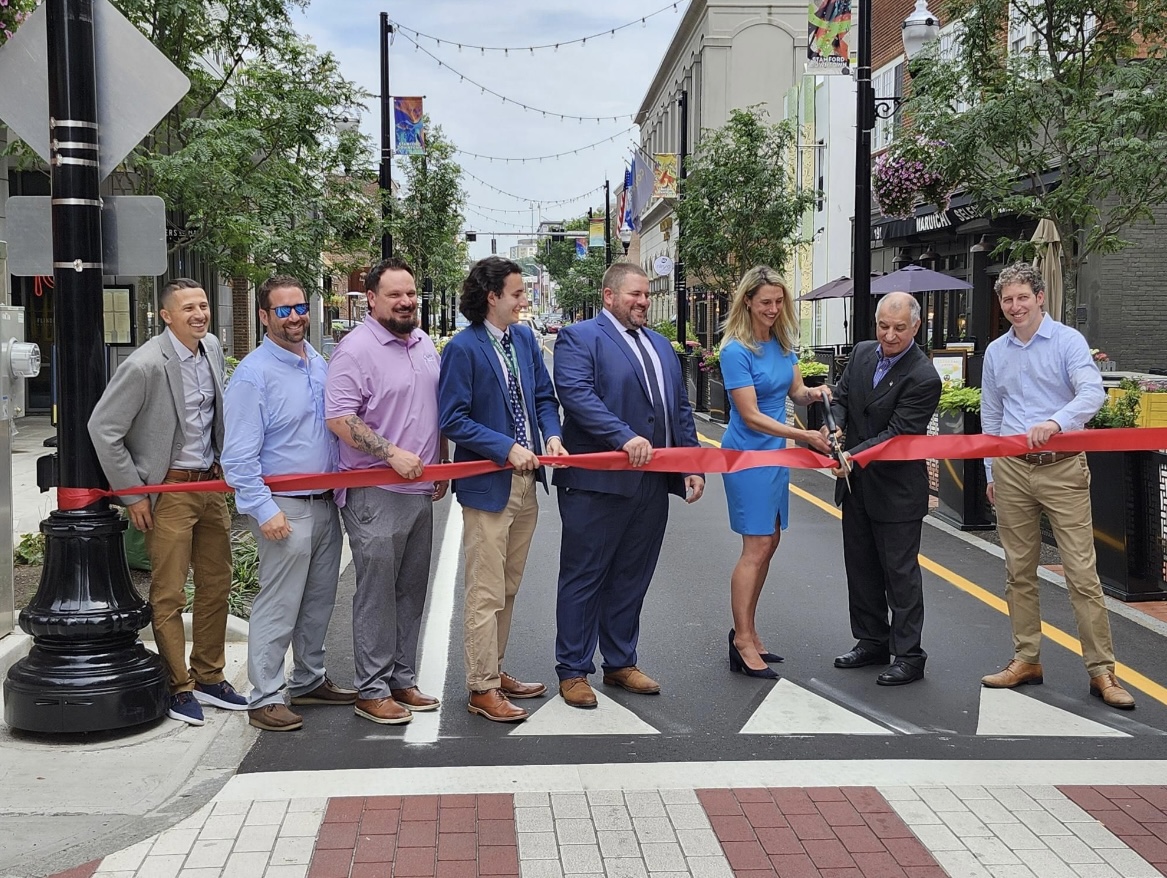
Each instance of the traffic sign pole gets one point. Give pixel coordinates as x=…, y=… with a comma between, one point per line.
x=87, y=670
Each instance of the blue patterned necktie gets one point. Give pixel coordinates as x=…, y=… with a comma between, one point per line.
x=513, y=392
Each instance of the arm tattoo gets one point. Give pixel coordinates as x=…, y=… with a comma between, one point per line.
x=367, y=441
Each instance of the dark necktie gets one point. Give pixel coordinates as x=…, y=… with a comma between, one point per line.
x=658, y=403
x=513, y=392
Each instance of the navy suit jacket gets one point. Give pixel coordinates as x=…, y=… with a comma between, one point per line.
x=606, y=402
x=475, y=413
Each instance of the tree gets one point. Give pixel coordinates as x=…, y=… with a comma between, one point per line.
x=579, y=280
x=740, y=205
x=1072, y=127
x=427, y=219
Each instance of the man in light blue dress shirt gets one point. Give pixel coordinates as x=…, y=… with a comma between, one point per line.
x=275, y=426
x=1039, y=380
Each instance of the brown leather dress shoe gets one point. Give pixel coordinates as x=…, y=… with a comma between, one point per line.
x=633, y=679
x=1016, y=673
x=415, y=699
x=327, y=693
x=1106, y=687
x=382, y=710
x=493, y=705
x=513, y=688
x=274, y=718
x=577, y=693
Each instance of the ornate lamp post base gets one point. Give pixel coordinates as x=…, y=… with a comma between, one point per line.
x=87, y=670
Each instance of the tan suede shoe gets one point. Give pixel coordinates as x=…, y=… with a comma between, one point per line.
x=577, y=693
x=274, y=718
x=1016, y=673
x=513, y=688
x=1106, y=687
x=633, y=679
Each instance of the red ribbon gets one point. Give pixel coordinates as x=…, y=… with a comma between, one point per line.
x=683, y=460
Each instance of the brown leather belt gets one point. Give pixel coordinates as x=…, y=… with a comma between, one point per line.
x=191, y=475
x=1041, y=458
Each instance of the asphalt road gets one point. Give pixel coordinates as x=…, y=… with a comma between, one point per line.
x=705, y=712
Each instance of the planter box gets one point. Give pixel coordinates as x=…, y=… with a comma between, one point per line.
x=691, y=370
x=961, y=483
x=1152, y=407
x=1127, y=498
x=702, y=401
x=718, y=398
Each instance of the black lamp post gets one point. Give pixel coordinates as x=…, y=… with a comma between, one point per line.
x=385, y=181
x=919, y=28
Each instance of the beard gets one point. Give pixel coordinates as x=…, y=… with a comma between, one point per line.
x=400, y=325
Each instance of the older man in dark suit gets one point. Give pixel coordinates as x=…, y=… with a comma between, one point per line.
x=889, y=388
x=620, y=387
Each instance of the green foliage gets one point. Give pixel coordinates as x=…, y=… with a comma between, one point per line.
x=1120, y=412
x=740, y=205
x=12, y=15
x=427, y=218
x=1086, y=100
x=252, y=157
x=811, y=368
x=956, y=397
x=30, y=551
x=579, y=280
x=244, y=576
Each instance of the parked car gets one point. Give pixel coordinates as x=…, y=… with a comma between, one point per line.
x=553, y=326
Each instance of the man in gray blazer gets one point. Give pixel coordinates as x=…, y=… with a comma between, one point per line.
x=160, y=420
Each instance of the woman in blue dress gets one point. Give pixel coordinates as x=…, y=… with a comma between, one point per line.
x=760, y=370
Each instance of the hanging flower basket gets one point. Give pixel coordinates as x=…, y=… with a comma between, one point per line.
x=909, y=173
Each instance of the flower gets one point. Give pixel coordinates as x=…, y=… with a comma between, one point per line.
x=908, y=172
x=1099, y=356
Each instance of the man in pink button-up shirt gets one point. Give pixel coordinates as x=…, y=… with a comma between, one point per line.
x=381, y=399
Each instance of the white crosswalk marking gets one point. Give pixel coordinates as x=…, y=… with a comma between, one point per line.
x=1008, y=713
x=556, y=717
x=792, y=710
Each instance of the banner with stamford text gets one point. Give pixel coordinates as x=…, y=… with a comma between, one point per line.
x=827, y=50
x=408, y=126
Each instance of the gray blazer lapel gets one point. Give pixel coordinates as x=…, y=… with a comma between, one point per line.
x=173, y=377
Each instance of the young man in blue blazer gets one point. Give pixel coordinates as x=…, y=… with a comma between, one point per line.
x=621, y=389
x=496, y=403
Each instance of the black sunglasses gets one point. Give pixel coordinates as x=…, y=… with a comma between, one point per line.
x=285, y=311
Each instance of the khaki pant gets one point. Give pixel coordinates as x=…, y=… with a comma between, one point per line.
x=190, y=530
x=496, y=546
x=1062, y=490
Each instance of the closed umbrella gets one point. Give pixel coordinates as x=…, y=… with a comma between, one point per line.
x=840, y=288
x=1049, y=263
x=916, y=279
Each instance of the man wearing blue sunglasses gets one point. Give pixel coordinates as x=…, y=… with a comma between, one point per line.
x=275, y=426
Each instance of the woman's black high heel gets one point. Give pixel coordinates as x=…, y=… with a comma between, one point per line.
x=737, y=664
x=771, y=659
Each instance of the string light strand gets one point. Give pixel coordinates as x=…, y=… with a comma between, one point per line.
x=506, y=50
x=536, y=201
x=558, y=155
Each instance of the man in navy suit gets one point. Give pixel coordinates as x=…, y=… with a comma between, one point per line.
x=621, y=388
x=496, y=403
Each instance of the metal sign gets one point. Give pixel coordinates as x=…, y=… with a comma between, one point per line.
x=139, y=85
x=133, y=235
x=662, y=265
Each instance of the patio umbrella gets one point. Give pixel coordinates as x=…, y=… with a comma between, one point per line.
x=1049, y=263
x=840, y=288
x=916, y=279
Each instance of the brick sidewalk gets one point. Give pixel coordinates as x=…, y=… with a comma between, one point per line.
x=814, y=832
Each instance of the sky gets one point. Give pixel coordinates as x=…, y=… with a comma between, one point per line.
x=607, y=76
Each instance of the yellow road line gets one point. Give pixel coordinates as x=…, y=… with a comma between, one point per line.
x=1128, y=674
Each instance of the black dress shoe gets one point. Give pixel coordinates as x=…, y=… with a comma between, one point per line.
x=900, y=674
x=861, y=657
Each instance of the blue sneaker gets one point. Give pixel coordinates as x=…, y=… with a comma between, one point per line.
x=221, y=695
x=185, y=709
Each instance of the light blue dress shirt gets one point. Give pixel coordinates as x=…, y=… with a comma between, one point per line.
x=274, y=407
x=1050, y=378
x=655, y=368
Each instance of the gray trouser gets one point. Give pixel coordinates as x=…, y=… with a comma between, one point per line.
x=297, y=592
x=391, y=536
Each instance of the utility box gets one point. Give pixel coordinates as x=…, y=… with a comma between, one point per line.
x=19, y=360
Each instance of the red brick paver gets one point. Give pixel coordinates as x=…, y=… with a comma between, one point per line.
x=820, y=832
x=415, y=837
x=85, y=870
x=1137, y=815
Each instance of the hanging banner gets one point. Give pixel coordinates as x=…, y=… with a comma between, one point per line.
x=665, y=183
x=408, y=127
x=596, y=231
x=581, y=248
x=827, y=50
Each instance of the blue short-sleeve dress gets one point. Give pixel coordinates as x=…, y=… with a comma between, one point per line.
x=757, y=497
